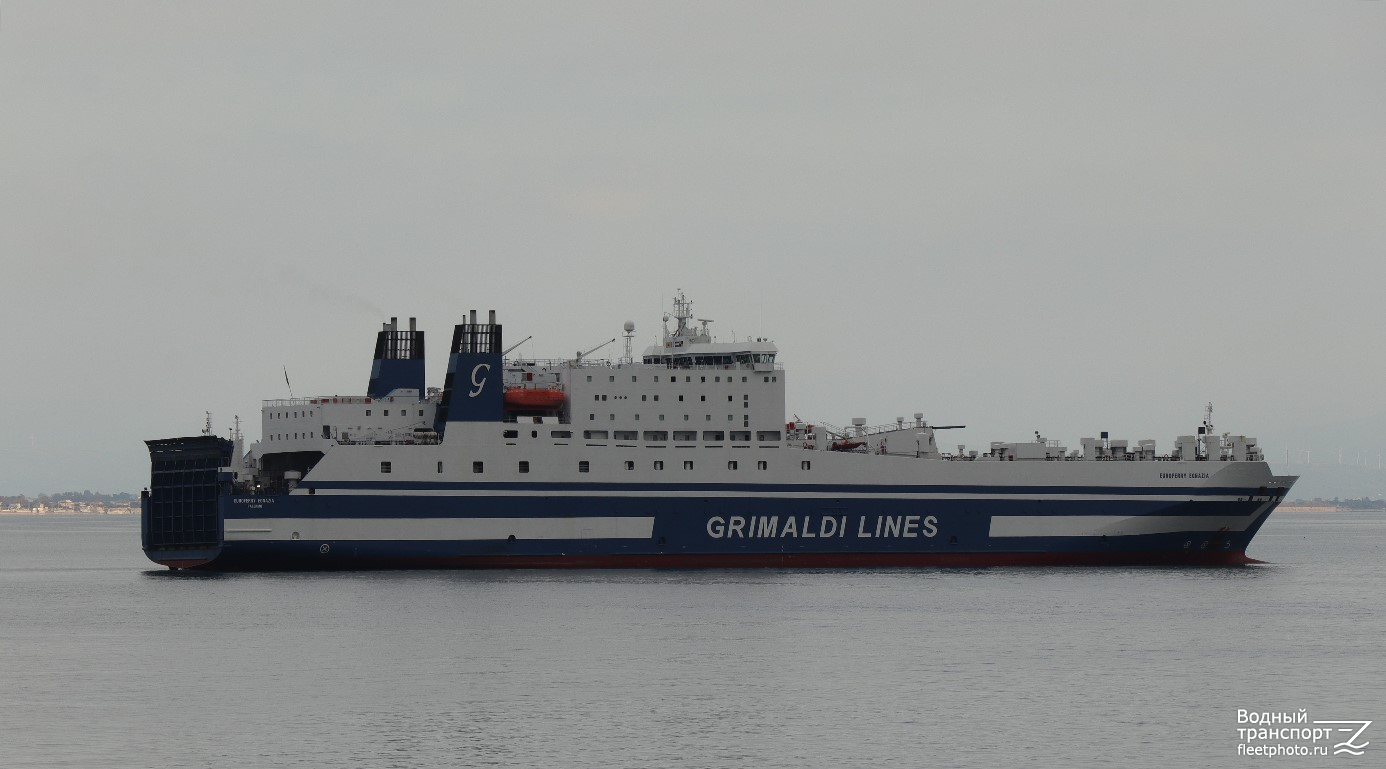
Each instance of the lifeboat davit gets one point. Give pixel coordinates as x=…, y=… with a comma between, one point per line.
x=533, y=398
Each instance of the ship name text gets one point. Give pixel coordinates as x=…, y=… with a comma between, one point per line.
x=821, y=526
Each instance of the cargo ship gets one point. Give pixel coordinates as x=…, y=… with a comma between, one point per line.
x=682, y=457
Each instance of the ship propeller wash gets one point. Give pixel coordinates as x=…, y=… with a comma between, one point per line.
x=680, y=459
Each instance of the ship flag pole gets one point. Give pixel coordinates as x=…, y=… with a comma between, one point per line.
x=286, y=383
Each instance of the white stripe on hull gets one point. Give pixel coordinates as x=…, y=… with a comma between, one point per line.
x=821, y=495
x=1112, y=525
x=427, y=529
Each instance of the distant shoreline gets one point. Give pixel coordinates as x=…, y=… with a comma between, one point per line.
x=113, y=510
x=1310, y=508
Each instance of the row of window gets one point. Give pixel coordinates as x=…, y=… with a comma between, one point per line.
x=706, y=417
x=286, y=414
x=661, y=436
x=584, y=466
x=297, y=414
x=598, y=397
x=675, y=379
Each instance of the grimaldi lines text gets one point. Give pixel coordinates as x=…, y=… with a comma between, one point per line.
x=679, y=456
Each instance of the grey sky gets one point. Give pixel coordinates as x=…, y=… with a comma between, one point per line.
x=1057, y=216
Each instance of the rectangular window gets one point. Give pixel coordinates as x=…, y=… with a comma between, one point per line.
x=804, y=465
x=659, y=464
x=368, y=412
x=594, y=435
x=657, y=435
x=584, y=467
x=644, y=397
x=688, y=464
x=626, y=435
x=767, y=435
x=714, y=435
x=762, y=465
x=630, y=465
x=589, y=378
x=386, y=412
x=632, y=378
x=440, y=467
x=476, y=467
x=741, y=435
x=420, y=412
x=731, y=465
x=384, y=467
x=511, y=434
x=561, y=434
x=524, y=466
x=611, y=378
x=686, y=435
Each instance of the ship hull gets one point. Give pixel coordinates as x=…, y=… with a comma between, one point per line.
x=568, y=526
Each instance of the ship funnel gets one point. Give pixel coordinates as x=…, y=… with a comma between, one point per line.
x=399, y=360
x=474, y=388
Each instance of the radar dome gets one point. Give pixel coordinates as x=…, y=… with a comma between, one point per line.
x=630, y=326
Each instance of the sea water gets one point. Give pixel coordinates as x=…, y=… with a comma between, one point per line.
x=107, y=660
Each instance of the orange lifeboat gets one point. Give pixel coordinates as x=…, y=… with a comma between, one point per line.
x=533, y=398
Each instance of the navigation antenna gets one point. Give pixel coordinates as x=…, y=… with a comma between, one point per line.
x=207, y=426
x=630, y=334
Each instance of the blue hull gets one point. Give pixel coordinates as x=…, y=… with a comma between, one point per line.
x=721, y=530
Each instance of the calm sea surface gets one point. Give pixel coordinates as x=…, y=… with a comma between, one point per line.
x=109, y=661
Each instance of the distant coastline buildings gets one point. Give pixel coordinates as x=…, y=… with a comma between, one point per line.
x=71, y=503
